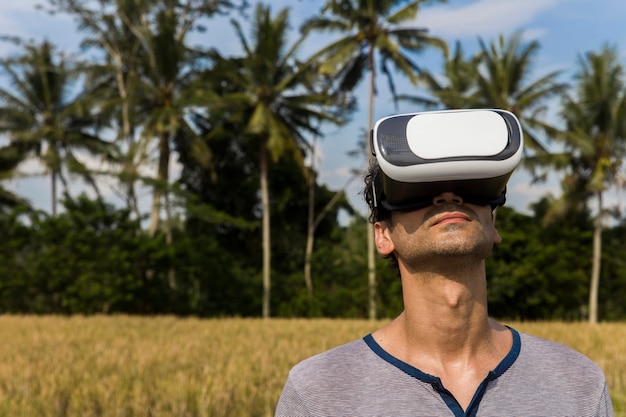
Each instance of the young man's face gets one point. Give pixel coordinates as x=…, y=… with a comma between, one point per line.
x=448, y=229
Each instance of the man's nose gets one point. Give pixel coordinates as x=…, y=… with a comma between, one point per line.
x=447, y=198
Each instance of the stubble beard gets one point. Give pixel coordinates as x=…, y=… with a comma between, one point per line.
x=454, y=248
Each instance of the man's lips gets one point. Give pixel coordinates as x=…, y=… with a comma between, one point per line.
x=454, y=217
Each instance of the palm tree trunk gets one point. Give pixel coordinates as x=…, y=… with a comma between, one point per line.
x=53, y=181
x=127, y=129
x=131, y=195
x=169, y=239
x=371, y=256
x=162, y=180
x=131, y=199
x=154, y=213
x=596, y=263
x=310, y=235
x=264, y=166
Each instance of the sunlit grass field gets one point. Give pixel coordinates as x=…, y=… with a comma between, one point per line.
x=138, y=366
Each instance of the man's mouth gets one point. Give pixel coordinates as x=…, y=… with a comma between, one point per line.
x=454, y=217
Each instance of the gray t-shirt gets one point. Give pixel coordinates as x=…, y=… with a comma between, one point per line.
x=536, y=378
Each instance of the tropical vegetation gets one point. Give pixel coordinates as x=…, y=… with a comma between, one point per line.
x=243, y=226
x=370, y=31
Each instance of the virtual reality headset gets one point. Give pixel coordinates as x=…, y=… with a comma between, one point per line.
x=471, y=153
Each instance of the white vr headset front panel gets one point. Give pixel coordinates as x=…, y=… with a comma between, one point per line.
x=445, y=135
x=448, y=145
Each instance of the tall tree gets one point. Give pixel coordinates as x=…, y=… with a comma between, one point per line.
x=505, y=81
x=277, y=97
x=108, y=28
x=149, y=66
x=164, y=99
x=454, y=88
x=371, y=27
x=500, y=75
x=39, y=112
x=595, y=139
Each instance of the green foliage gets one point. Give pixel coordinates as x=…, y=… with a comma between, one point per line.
x=613, y=288
x=498, y=76
x=89, y=259
x=368, y=28
x=92, y=258
x=340, y=279
x=538, y=272
x=221, y=116
x=42, y=119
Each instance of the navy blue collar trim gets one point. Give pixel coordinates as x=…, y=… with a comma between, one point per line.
x=454, y=406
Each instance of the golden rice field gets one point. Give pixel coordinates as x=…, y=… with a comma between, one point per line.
x=138, y=366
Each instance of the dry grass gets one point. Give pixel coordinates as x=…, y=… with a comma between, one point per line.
x=136, y=366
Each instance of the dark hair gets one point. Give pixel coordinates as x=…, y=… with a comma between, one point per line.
x=376, y=211
x=371, y=182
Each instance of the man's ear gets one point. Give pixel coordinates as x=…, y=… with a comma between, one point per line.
x=382, y=238
x=496, y=236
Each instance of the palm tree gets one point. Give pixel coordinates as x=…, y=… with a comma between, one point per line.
x=109, y=30
x=504, y=81
x=454, y=88
x=146, y=76
x=370, y=27
x=595, y=140
x=499, y=76
x=40, y=115
x=277, y=99
x=164, y=99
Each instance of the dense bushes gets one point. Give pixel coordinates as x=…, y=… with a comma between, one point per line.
x=92, y=258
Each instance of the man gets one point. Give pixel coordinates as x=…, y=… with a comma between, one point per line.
x=431, y=198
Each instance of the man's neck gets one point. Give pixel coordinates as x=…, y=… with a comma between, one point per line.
x=446, y=315
x=445, y=329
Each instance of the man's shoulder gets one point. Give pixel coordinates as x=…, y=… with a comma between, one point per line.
x=343, y=356
x=351, y=368
x=351, y=380
x=550, y=378
x=556, y=357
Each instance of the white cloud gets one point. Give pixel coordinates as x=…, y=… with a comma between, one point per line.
x=483, y=18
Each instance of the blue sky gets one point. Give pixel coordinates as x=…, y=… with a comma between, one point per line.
x=565, y=29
